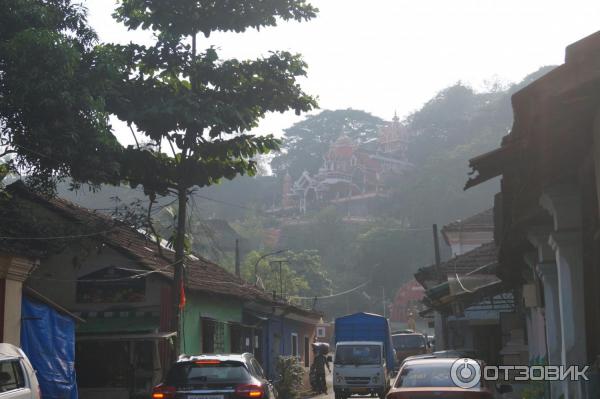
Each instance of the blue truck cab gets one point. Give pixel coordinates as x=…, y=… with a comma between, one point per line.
x=364, y=355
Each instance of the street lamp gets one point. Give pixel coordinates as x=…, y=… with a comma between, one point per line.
x=261, y=258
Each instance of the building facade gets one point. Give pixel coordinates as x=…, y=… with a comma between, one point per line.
x=548, y=213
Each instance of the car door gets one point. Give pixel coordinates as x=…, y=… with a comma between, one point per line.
x=261, y=375
x=13, y=381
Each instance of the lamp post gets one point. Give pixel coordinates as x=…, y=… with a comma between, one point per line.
x=263, y=257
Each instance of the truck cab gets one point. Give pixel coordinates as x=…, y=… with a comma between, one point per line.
x=360, y=368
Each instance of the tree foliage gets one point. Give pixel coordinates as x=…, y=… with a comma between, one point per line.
x=195, y=100
x=198, y=104
x=52, y=116
x=301, y=273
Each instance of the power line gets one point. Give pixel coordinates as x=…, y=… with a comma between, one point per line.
x=333, y=295
x=65, y=237
x=225, y=203
x=132, y=277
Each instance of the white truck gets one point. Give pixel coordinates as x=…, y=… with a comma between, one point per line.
x=364, y=356
x=360, y=368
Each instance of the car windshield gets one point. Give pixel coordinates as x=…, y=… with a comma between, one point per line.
x=358, y=355
x=405, y=341
x=425, y=375
x=199, y=373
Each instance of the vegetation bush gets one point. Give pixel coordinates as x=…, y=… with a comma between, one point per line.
x=290, y=379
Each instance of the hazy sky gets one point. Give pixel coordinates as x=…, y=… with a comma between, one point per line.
x=387, y=55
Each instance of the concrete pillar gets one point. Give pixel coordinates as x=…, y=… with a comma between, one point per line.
x=564, y=204
x=535, y=323
x=439, y=331
x=13, y=271
x=596, y=153
x=549, y=278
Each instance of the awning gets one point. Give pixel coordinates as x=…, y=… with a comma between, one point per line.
x=489, y=165
x=127, y=337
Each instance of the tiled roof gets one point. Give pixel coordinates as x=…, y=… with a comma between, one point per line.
x=202, y=275
x=478, y=222
x=485, y=255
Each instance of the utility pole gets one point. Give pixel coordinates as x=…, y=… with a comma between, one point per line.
x=237, y=258
x=280, y=262
x=436, y=245
x=383, y=298
x=441, y=318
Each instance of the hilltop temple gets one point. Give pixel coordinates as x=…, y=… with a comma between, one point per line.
x=354, y=175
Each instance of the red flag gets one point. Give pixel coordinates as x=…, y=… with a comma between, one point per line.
x=182, y=296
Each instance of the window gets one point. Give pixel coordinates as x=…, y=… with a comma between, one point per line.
x=213, y=336
x=11, y=376
x=294, y=344
x=118, y=287
x=358, y=355
x=186, y=374
x=320, y=332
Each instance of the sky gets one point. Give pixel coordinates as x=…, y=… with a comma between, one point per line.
x=386, y=56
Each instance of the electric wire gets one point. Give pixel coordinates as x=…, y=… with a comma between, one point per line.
x=333, y=295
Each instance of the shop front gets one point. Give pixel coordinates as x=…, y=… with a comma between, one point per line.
x=119, y=354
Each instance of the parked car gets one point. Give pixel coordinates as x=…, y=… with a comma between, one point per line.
x=215, y=377
x=431, y=377
x=451, y=353
x=17, y=376
x=409, y=344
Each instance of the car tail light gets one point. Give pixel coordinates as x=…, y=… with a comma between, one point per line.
x=249, y=391
x=163, y=392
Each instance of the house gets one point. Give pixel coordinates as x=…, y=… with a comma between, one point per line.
x=27, y=318
x=354, y=175
x=471, y=304
x=463, y=319
x=467, y=234
x=548, y=213
x=405, y=308
x=324, y=332
x=120, y=282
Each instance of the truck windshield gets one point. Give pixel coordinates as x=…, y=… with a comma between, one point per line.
x=406, y=341
x=358, y=355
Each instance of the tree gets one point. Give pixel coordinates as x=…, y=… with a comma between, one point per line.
x=282, y=280
x=302, y=273
x=307, y=141
x=52, y=119
x=199, y=106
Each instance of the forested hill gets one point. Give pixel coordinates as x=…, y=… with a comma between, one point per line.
x=454, y=126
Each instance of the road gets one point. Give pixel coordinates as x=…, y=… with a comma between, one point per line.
x=329, y=394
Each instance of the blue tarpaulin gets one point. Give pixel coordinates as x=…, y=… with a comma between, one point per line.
x=48, y=339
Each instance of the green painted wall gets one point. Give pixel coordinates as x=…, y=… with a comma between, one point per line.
x=224, y=310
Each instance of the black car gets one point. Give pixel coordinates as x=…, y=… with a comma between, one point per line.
x=215, y=377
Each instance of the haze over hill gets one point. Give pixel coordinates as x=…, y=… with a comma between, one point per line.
x=455, y=125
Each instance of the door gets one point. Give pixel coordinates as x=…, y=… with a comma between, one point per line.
x=306, y=351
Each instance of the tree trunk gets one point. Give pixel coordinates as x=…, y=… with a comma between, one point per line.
x=179, y=267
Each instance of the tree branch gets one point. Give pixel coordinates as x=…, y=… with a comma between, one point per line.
x=152, y=229
x=134, y=136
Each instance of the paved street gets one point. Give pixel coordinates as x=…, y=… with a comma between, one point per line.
x=329, y=394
